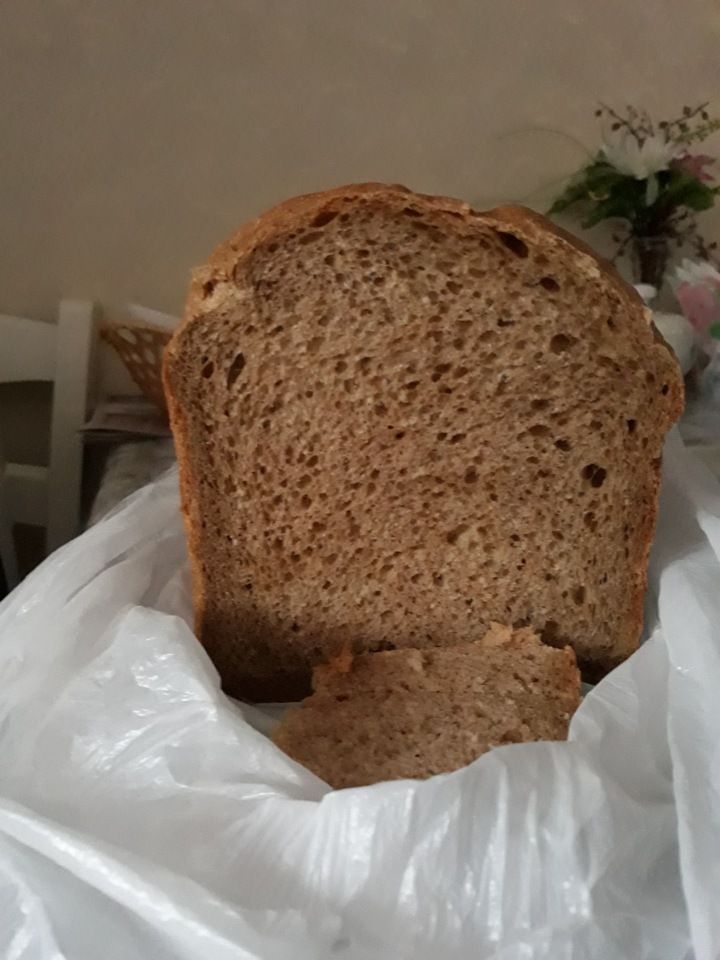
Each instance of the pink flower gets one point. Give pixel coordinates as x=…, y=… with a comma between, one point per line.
x=700, y=304
x=695, y=165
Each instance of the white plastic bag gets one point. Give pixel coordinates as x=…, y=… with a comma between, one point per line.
x=143, y=814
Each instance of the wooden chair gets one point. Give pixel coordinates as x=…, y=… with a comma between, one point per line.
x=47, y=496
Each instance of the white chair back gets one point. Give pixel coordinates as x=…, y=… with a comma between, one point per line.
x=61, y=354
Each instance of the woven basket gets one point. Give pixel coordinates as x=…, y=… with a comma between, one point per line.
x=140, y=347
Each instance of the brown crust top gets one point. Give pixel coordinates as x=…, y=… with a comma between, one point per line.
x=297, y=211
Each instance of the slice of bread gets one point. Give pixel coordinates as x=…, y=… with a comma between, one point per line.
x=398, y=420
x=415, y=713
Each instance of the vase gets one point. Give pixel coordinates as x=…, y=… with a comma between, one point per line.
x=650, y=259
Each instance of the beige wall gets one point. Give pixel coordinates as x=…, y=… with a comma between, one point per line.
x=135, y=134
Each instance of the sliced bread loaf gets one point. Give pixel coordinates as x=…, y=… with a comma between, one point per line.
x=415, y=713
x=398, y=420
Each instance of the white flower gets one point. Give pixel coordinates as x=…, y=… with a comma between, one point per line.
x=640, y=160
x=696, y=272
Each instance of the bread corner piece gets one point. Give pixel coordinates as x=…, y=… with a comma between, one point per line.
x=415, y=713
x=397, y=420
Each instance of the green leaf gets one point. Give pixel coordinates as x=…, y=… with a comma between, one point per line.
x=685, y=190
x=573, y=193
x=593, y=184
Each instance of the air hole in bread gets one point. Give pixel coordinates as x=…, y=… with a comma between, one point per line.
x=411, y=212
x=310, y=237
x=550, y=283
x=578, y=595
x=208, y=288
x=324, y=217
x=457, y=437
x=561, y=342
x=514, y=244
x=665, y=389
x=539, y=430
x=453, y=536
x=471, y=475
x=563, y=444
x=235, y=369
x=454, y=287
x=595, y=474
x=208, y=370
x=505, y=323
x=631, y=425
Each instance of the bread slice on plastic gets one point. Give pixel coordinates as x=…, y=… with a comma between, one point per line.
x=398, y=420
x=415, y=713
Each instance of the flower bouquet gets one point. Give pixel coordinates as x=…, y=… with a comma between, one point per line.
x=646, y=175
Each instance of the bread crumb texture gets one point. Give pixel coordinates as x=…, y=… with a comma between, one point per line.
x=399, y=420
x=415, y=713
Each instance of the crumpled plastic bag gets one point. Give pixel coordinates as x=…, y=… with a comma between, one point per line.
x=144, y=814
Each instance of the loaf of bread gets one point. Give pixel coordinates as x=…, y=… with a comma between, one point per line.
x=415, y=713
x=398, y=420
